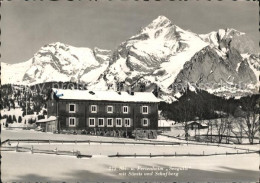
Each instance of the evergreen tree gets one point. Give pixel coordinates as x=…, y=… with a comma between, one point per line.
x=19, y=119
x=9, y=119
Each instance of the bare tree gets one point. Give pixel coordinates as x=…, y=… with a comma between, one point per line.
x=237, y=128
x=221, y=127
x=251, y=115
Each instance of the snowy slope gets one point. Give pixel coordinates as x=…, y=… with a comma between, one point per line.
x=59, y=62
x=13, y=73
x=156, y=54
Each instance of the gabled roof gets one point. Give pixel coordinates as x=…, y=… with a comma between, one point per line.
x=105, y=95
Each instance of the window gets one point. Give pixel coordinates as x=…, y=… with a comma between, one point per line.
x=72, y=121
x=100, y=121
x=125, y=109
x=72, y=108
x=109, y=109
x=145, y=122
x=93, y=108
x=118, y=122
x=127, y=122
x=145, y=109
x=109, y=122
x=91, y=122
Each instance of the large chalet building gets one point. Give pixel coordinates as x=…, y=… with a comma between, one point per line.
x=109, y=113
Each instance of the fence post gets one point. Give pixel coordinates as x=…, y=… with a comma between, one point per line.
x=75, y=141
x=135, y=155
x=16, y=149
x=150, y=155
x=117, y=154
x=203, y=153
x=32, y=150
x=226, y=153
x=175, y=154
x=56, y=150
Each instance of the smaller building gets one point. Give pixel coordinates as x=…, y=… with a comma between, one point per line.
x=48, y=125
x=194, y=125
x=165, y=125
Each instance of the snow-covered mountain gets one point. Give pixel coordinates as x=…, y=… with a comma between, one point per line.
x=58, y=62
x=161, y=55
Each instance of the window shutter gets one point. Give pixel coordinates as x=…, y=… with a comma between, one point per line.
x=148, y=122
x=76, y=107
x=141, y=107
x=67, y=121
x=77, y=121
x=67, y=107
x=148, y=109
x=142, y=122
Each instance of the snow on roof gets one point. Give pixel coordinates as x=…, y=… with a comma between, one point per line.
x=51, y=118
x=105, y=95
x=202, y=123
x=165, y=123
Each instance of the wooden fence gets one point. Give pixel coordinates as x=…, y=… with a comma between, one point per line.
x=17, y=148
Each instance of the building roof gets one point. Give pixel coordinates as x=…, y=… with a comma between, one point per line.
x=51, y=118
x=199, y=123
x=165, y=123
x=105, y=95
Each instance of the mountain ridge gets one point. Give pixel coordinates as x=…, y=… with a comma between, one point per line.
x=158, y=56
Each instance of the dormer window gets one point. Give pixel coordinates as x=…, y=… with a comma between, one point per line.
x=93, y=108
x=125, y=109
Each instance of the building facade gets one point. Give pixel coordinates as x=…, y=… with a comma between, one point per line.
x=103, y=111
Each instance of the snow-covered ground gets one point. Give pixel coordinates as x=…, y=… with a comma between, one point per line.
x=17, y=112
x=25, y=167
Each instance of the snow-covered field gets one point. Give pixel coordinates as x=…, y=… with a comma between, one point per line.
x=25, y=167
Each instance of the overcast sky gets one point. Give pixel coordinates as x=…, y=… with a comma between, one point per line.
x=27, y=26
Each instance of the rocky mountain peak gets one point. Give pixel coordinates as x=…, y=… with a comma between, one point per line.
x=160, y=21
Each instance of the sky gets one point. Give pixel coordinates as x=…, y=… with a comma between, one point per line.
x=26, y=26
